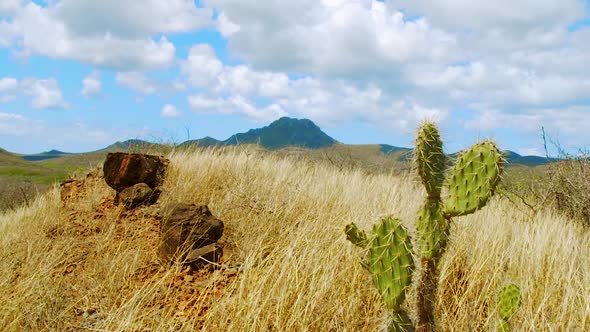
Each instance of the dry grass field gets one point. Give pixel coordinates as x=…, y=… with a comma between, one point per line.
x=86, y=265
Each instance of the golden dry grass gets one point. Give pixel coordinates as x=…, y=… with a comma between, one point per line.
x=90, y=266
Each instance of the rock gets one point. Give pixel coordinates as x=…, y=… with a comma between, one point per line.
x=205, y=255
x=187, y=228
x=137, y=195
x=124, y=170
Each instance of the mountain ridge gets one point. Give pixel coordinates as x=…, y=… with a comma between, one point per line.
x=282, y=133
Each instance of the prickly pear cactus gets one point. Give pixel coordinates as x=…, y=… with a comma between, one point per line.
x=473, y=179
x=355, y=235
x=509, y=301
x=430, y=159
x=432, y=230
x=470, y=185
x=390, y=261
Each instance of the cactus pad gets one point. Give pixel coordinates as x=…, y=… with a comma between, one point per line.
x=509, y=301
x=432, y=229
x=390, y=261
x=355, y=235
x=473, y=179
x=430, y=158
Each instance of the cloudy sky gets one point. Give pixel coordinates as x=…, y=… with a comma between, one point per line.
x=77, y=75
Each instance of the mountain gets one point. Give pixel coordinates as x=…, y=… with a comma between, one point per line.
x=402, y=154
x=45, y=155
x=282, y=133
x=129, y=144
x=285, y=132
x=203, y=142
x=514, y=158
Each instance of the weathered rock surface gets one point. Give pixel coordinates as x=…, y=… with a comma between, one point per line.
x=137, y=195
x=190, y=227
x=123, y=170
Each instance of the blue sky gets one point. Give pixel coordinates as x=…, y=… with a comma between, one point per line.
x=77, y=75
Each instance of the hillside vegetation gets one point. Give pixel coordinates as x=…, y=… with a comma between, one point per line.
x=87, y=265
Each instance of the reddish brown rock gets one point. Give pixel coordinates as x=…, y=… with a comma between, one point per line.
x=124, y=170
x=189, y=227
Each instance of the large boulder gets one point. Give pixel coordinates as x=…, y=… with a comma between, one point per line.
x=137, y=195
x=123, y=170
x=189, y=233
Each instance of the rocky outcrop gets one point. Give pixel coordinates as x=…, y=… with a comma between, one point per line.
x=135, y=177
x=189, y=235
x=123, y=170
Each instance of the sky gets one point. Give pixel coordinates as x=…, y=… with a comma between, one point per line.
x=78, y=75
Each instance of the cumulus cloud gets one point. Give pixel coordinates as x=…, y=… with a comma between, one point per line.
x=91, y=85
x=235, y=105
x=170, y=111
x=44, y=135
x=13, y=124
x=136, y=81
x=44, y=93
x=9, y=7
x=131, y=19
x=118, y=35
x=9, y=88
x=500, y=14
x=265, y=95
x=350, y=38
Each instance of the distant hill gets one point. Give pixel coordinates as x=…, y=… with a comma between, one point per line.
x=514, y=158
x=45, y=155
x=127, y=145
x=282, y=133
x=203, y=142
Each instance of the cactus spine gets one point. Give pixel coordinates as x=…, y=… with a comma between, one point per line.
x=470, y=184
x=509, y=302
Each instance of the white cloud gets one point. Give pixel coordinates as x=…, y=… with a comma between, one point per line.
x=531, y=152
x=170, y=111
x=499, y=14
x=45, y=93
x=8, y=88
x=12, y=124
x=342, y=38
x=569, y=120
x=26, y=135
x=91, y=85
x=9, y=7
x=136, y=81
x=225, y=26
x=235, y=105
x=266, y=95
x=118, y=35
x=500, y=84
x=131, y=19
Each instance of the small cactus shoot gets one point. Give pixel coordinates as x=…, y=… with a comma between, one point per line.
x=509, y=301
x=390, y=263
x=356, y=235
